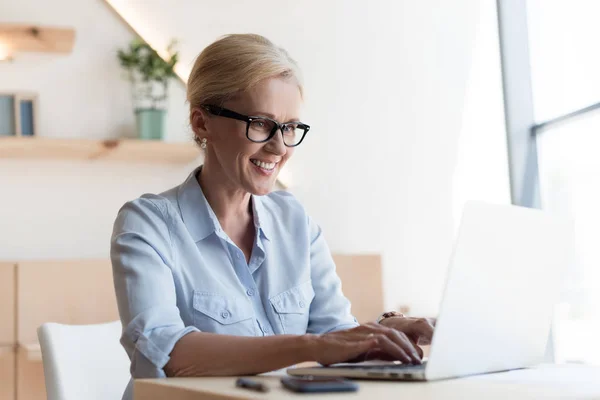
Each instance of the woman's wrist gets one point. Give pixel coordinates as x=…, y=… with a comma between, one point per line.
x=308, y=344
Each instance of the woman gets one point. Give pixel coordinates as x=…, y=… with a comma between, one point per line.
x=219, y=276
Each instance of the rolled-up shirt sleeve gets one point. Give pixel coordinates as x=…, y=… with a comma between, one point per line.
x=142, y=259
x=330, y=309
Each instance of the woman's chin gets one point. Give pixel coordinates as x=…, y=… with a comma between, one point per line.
x=261, y=185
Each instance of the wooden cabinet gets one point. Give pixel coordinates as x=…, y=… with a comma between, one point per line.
x=70, y=292
x=7, y=304
x=7, y=373
x=30, y=382
x=362, y=284
x=7, y=330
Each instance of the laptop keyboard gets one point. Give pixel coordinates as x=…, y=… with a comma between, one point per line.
x=392, y=367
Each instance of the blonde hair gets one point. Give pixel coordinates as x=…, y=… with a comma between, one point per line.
x=236, y=63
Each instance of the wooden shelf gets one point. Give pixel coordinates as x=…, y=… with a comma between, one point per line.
x=44, y=39
x=127, y=150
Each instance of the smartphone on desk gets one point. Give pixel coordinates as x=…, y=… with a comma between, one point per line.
x=318, y=384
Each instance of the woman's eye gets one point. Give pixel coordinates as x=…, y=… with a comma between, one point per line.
x=290, y=128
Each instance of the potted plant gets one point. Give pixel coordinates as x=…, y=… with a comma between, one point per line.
x=149, y=75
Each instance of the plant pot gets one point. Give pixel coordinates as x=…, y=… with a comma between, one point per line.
x=150, y=123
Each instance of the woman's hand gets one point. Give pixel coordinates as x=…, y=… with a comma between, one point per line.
x=418, y=330
x=364, y=342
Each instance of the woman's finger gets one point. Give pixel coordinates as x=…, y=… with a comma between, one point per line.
x=398, y=345
x=393, y=349
x=402, y=341
x=406, y=344
x=419, y=349
x=378, y=354
x=355, y=351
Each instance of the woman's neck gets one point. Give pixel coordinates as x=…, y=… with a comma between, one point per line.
x=230, y=205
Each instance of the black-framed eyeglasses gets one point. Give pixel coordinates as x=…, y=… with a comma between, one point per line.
x=261, y=129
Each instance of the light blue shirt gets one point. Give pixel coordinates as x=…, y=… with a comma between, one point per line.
x=176, y=271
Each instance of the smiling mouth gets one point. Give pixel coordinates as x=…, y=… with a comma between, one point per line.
x=269, y=166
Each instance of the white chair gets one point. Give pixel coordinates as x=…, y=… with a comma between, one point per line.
x=83, y=362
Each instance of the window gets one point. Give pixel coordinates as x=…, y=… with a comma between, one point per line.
x=563, y=67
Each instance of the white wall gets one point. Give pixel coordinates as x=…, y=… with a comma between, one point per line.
x=481, y=171
x=66, y=209
x=386, y=85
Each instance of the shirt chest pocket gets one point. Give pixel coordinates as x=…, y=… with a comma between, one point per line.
x=292, y=307
x=226, y=315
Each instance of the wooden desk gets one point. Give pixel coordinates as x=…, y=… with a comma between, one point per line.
x=544, y=382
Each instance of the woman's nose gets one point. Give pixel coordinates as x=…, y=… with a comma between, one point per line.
x=276, y=144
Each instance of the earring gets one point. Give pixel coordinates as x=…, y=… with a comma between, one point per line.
x=203, y=143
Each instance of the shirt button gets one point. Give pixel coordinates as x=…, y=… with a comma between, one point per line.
x=266, y=331
x=250, y=292
x=225, y=314
x=301, y=304
x=238, y=256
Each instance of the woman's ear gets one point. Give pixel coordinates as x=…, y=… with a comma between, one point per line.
x=199, y=122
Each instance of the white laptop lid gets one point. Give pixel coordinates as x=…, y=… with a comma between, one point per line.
x=502, y=285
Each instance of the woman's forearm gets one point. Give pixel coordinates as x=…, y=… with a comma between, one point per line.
x=210, y=354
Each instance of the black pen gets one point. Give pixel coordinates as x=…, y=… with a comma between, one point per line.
x=251, y=384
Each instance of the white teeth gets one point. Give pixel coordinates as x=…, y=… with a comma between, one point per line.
x=264, y=165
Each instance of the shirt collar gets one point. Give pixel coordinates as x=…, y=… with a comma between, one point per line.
x=262, y=219
x=200, y=219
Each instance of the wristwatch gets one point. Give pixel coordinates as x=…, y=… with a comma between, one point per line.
x=388, y=315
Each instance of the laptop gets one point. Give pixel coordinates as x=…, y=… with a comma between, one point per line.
x=497, y=306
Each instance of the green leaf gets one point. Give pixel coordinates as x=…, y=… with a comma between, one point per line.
x=141, y=58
